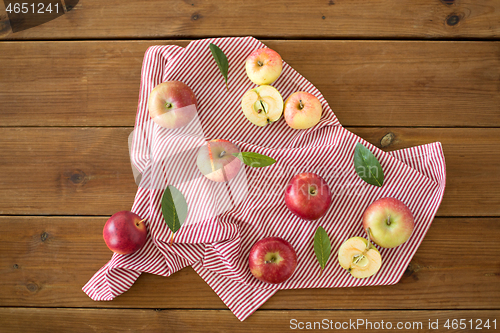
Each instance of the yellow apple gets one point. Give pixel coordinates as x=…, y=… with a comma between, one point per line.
x=302, y=110
x=263, y=66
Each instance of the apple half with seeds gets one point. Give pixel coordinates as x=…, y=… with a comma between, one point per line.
x=262, y=105
x=358, y=256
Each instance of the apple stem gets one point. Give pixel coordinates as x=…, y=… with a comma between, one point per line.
x=260, y=63
x=368, y=244
x=388, y=220
x=142, y=221
x=301, y=106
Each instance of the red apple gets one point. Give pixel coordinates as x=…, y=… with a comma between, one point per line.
x=124, y=232
x=307, y=195
x=216, y=161
x=302, y=110
x=172, y=104
x=272, y=260
x=388, y=222
x=263, y=66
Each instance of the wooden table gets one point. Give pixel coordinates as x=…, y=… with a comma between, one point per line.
x=423, y=70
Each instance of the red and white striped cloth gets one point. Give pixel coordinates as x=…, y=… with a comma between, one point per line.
x=225, y=220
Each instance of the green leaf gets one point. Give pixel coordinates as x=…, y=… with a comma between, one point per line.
x=221, y=60
x=174, y=208
x=367, y=166
x=322, y=247
x=254, y=159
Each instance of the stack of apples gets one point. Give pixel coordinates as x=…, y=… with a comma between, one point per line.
x=263, y=105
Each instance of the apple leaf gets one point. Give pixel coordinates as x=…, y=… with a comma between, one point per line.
x=367, y=166
x=322, y=247
x=174, y=208
x=221, y=60
x=255, y=160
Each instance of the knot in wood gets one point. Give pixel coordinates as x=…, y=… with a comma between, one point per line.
x=77, y=177
x=387, y=139
x=452, y=20
x=32, y=287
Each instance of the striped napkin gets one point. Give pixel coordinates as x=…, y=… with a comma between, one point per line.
x=225, y=220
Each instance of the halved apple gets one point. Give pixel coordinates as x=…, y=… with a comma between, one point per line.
x=359, y=257
x=262, y=105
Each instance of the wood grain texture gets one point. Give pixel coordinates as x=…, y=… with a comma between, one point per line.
x=93, y=320
x=45, y=261
x=87, y=171
x=67, y=108
x=67, y=84
x=367, y=83
x=65, y=171
x=92, y=19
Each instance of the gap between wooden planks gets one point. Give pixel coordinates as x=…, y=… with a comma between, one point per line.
x=85, y=320
x=87, y=171
x=366, y=83
x=46, y=261
x=426, y=19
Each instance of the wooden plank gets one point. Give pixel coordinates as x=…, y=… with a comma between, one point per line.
x=85, y=320
x=45, y=261
x=70, y=84
x=65, y=171
x=91, y=19
x=376, y=83
x=87, y=171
